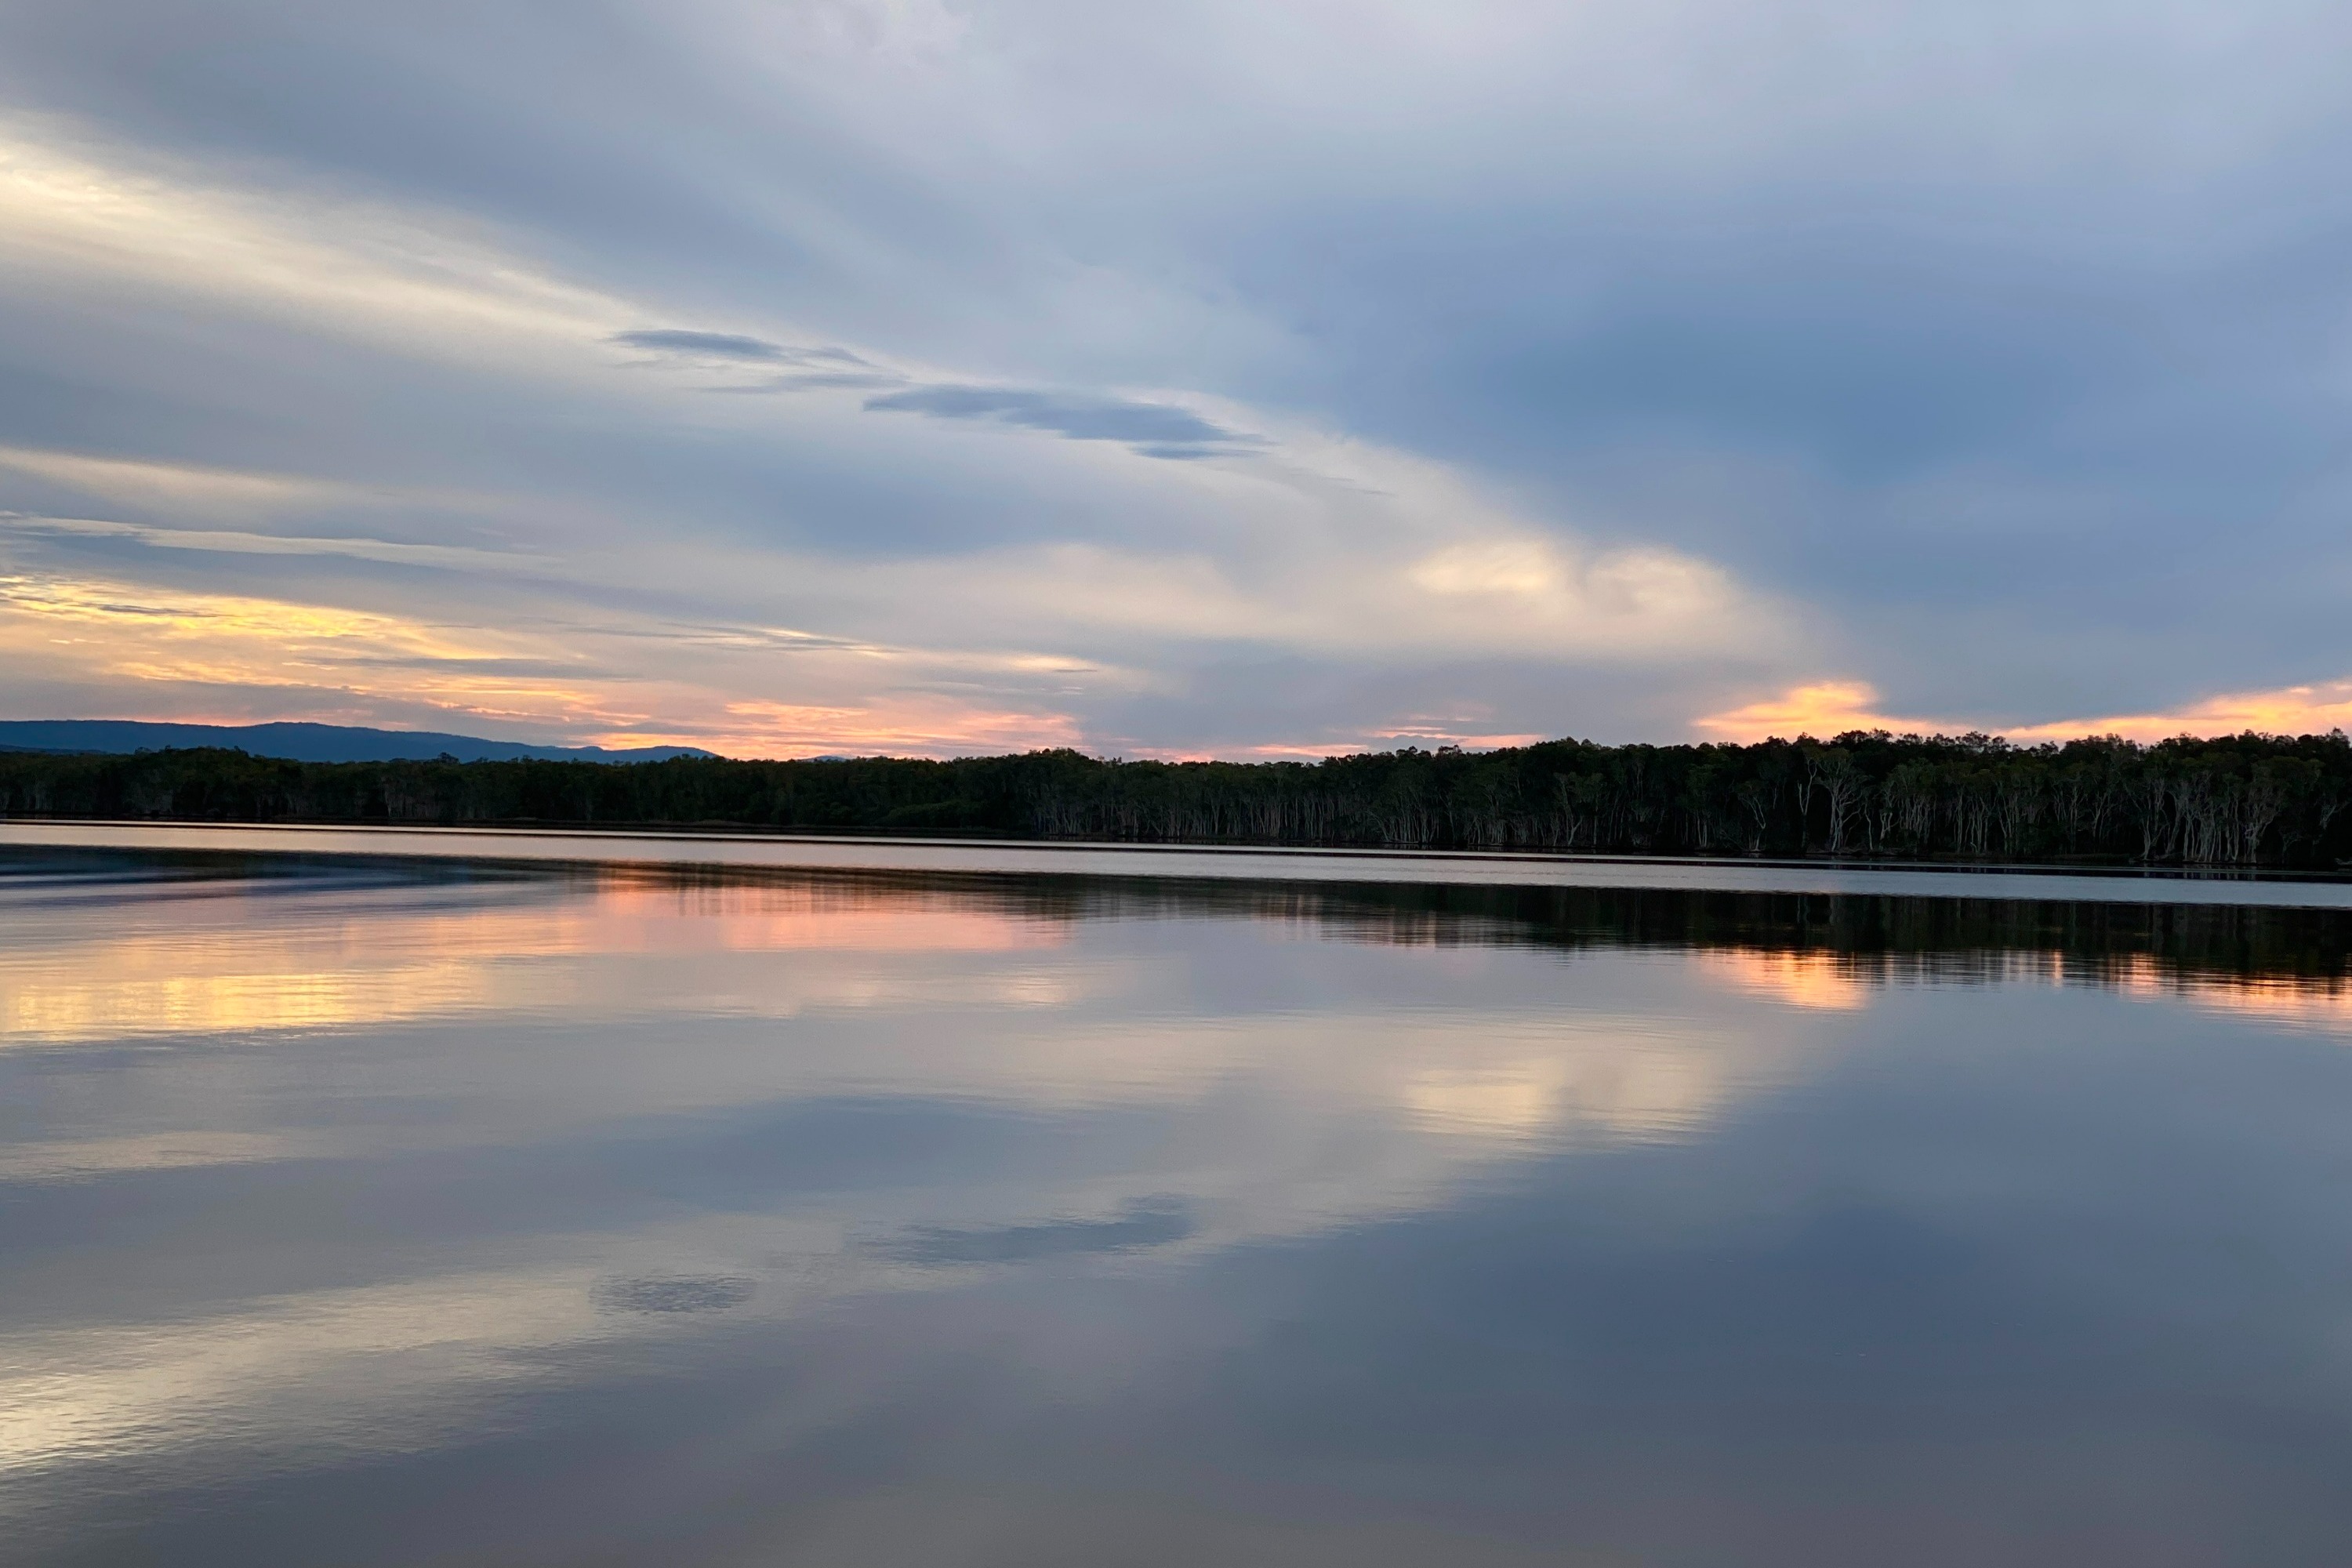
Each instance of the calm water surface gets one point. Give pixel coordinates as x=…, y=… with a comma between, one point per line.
x=368, y=1211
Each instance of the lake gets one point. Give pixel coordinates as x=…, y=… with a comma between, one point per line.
x=367, y=1209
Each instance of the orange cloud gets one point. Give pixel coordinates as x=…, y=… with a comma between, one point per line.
x=1315, y=751
x=186, y=650
x=917, y=726
x=337, y=657
x=1833, y=707
x=2289, y=710
x=1824, y=708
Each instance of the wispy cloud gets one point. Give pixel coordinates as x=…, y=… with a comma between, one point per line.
x=1153, y=429
x=184, y=488
x=391, y=276
x=701, y=345
x=451, y=557
x=736, y=348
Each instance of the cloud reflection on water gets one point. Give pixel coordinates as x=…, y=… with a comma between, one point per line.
x=408, y=1153
x=387, y=1024
x=368, y=959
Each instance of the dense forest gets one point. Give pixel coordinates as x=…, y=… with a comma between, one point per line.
x=2248, y=800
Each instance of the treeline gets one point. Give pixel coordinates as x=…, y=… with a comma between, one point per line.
x=2248, y=800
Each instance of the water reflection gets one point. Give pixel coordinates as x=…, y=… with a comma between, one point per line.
x=372, y=955
x=364, y=1212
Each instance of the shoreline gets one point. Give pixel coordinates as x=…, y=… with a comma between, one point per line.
x=803, y=851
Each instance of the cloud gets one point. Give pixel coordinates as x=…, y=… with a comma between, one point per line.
x=1558, y=369
x=893, y=723
x=704, y=345
x=452, y=557
x=681, y=344
x=1830, y=708
x=1822, y=709
x=235, y=657
x=181, y=488
x=166, y=639
x=1152, y=429
x=1313, y=543
x=81, y=226
x=2287, y=710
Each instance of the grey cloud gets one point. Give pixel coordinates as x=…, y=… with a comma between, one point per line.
x=818, y=381
x=701, y=345
x=798, y=369
x=452, y=557
x=1153, y=429
x=685, y=344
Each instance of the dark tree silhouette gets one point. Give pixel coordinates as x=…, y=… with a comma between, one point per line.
x=2246, y=800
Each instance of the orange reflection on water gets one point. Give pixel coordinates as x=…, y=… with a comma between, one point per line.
x=2309, y=1002
x=249, y=963
x=652, y=911
x=1822, y=981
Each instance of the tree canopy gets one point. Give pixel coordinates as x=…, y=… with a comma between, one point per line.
x=2246, y=800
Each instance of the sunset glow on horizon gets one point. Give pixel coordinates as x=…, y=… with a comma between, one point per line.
x=1828, y=708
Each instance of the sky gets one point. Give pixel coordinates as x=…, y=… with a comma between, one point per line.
x=1234, y=378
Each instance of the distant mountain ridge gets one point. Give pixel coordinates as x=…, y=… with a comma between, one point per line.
x=303, y=743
